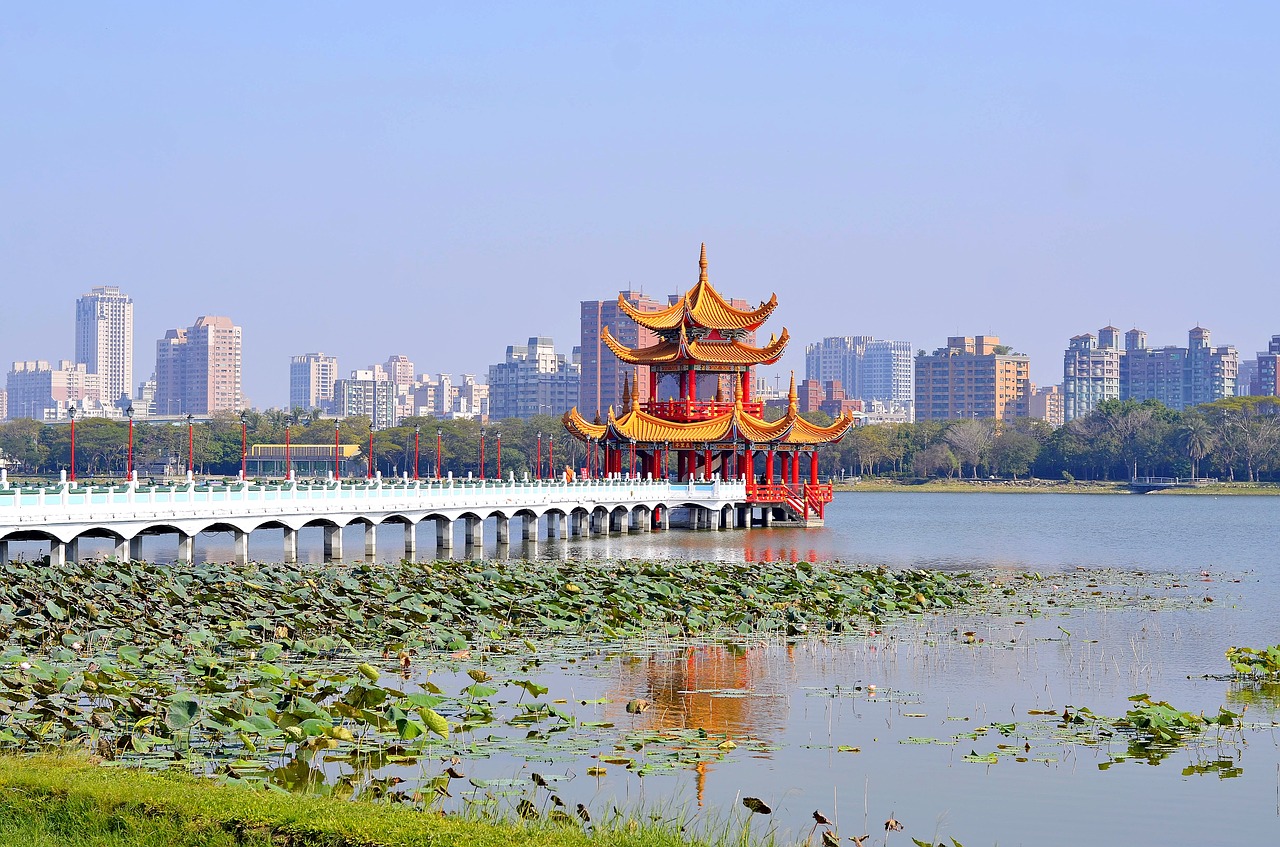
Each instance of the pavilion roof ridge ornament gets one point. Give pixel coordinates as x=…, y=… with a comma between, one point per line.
x=701, y=306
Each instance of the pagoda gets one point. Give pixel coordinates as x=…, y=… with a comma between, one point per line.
x=702, y=334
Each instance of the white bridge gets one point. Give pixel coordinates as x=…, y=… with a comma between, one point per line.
x=63, y=513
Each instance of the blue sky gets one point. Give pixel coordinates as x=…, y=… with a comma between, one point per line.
x=442, y=181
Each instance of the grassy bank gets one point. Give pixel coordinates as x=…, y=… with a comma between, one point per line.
x=69, y=800
x=1045, y=486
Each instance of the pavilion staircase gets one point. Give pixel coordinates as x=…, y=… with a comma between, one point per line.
x=802, y=504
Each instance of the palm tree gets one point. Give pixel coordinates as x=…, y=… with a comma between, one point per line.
x=1196, y=437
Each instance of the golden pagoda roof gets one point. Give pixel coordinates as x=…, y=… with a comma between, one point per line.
x=733, y=426
x=701, y=306
x=682, y=349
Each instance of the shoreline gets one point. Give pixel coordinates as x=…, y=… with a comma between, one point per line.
x=1044, y=486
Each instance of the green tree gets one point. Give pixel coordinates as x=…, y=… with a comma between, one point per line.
x=1195, y=436
x=1013, y=451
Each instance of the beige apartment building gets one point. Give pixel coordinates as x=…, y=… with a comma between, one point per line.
x=972, y=377
x=198, y=368
x=1048, y=404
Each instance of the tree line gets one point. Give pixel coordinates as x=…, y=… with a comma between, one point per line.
x=30, y=448
x=1237, y=438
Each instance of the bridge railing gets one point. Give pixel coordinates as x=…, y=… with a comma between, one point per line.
x=64, y=497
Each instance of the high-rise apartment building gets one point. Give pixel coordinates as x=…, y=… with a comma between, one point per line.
x=4, y=404
x=198, y=369
x=1178, y=377
x=104, y=340
x=40, y=391
x=869, y=369
x=533, y=380
x=367, y=393
x=1090, y=372
x=400, y=371
x=972, y=377
x=311, y=380
x=602, y=375
x=1266, y=380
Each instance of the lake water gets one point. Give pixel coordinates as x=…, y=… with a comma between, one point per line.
x=1197, y=574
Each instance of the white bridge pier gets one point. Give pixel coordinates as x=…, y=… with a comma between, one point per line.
x=64, y=513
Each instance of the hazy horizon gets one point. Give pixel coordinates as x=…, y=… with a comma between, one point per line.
x=445, y=182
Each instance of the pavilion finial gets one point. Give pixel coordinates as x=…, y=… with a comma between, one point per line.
x=702, y=264
x=737, y=394
x=793, y=400
x=635, y=392
x=626, y=387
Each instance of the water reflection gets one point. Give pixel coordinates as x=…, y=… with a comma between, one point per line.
x=729, y=691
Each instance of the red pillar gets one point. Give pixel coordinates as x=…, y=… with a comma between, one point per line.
x=813, y=467
x=691, y=385
x=768, y=467
x=747, y=471
x=706, y=463
x=653, y=385
x=795, y=468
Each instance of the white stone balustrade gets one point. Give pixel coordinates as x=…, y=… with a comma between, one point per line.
x=63, y=513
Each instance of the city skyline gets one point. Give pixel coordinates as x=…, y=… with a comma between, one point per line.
x=410, y=396
x=333, y=178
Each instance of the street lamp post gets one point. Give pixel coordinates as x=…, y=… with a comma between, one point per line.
x=416, y=430
x=551, y=456
x=537, y=463
x=499, y=474
x=191, y=446
x=129, y=467
x=244, y=445
x=72, y=414
x=337, y=452
x=439, y=439
x=482, y=452
x=288, y=458
x=369, y=472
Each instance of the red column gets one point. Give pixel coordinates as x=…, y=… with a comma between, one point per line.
x=768, y=467
x=706, y=463
x=653, y=385
x=795, y=468
x=813, y=467
x=747, y=471
x=691, y=385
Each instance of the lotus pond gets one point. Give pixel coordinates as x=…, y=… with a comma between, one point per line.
x=1029, y=701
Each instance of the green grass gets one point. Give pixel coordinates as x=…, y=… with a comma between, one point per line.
x=69, y=801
